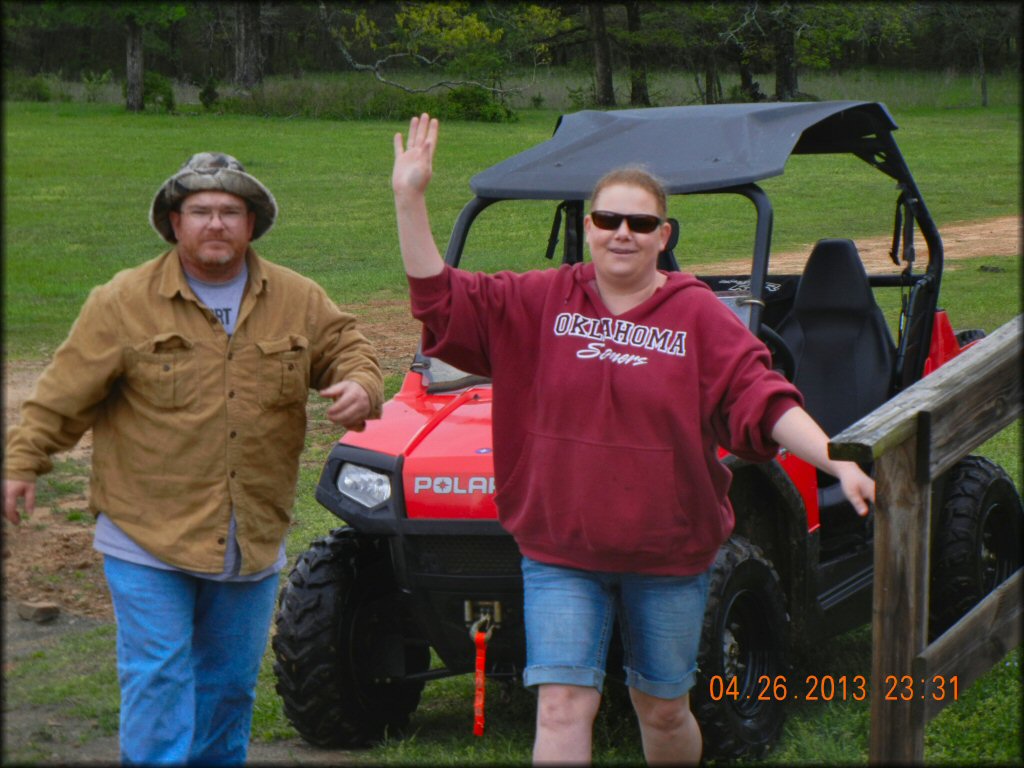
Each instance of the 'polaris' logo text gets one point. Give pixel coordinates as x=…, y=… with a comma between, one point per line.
x=443, y=485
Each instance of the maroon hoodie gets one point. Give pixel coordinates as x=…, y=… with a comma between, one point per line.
x=606, y=428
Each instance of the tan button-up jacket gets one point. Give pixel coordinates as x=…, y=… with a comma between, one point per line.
x=186, y=421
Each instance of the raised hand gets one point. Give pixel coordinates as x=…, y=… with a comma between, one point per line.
x=414, y=166
x=414, y=163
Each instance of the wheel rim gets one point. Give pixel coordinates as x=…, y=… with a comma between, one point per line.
x=748, y=652
x=1000, y=553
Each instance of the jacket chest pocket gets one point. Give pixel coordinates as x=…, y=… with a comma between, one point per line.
x=163, y=371
x=283, y=371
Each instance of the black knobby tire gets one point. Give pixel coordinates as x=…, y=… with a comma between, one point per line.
x=963, y=338
x=337, y=614
x=976, y=539
x=744, y=636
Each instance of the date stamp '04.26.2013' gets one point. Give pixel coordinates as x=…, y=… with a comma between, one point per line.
x=836, y=688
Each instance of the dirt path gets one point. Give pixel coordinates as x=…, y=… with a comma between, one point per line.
x=994, y=237
x=50, y=558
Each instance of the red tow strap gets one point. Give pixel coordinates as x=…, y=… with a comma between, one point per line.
x=478, y=700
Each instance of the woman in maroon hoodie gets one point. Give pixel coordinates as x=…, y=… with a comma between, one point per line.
x=614, y=385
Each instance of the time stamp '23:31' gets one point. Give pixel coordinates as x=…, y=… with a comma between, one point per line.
x=832, y=687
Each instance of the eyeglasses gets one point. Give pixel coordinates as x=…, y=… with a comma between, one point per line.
x=231, y=216
x=644, y=223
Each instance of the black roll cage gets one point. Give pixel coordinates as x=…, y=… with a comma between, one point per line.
x=863, y=129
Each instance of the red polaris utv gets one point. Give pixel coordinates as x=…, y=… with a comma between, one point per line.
x=422, y=558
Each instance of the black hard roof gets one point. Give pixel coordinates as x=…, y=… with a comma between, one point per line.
x=691, y=149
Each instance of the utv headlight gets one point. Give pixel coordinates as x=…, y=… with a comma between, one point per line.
x=364, y=486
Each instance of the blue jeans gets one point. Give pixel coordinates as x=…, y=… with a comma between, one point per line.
x=570, y=614
x=188, y=655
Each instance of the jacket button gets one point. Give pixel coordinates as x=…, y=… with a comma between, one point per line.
x=233, y=433
x=220, y=541
x=167, y=366
x=231, y=393
x=231, y=473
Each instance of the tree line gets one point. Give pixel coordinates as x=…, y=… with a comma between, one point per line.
x=483, y=43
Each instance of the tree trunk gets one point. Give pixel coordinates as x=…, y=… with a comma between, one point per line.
x=639, y=96
x=604, y=91
x=133, y=67
x=248, y=55
x=712, y=82
x=749, y=87
x=785, y=63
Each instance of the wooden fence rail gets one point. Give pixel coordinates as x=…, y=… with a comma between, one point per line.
x=913, y=439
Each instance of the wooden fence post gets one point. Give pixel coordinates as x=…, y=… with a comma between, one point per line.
x=913, y=439
x=900, y=606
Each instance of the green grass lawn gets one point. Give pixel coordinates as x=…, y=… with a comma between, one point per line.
x=78, y=181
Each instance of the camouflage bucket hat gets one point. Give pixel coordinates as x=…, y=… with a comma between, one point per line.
x=212, y=171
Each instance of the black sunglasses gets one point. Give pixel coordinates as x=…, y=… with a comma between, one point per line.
x=643, y=223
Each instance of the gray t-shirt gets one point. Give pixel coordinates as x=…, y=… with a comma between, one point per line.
x=223, y=299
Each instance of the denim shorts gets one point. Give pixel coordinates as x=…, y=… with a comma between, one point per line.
x=570, y=615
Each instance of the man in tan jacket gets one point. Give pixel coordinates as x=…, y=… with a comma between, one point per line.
x=193, y=371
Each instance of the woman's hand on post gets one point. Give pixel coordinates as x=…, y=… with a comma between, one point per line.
x=858, y=487
x=798, y=433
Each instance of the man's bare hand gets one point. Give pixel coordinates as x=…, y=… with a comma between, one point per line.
x=18, y=489
x=351, y=405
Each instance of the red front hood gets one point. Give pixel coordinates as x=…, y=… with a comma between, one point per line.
x=446, y=442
